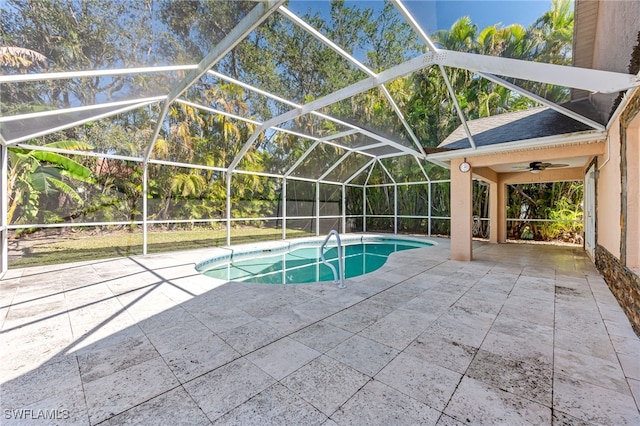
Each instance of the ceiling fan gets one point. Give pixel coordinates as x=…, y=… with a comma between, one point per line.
x=538, y=166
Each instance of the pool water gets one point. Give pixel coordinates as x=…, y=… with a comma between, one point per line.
x=303, y=265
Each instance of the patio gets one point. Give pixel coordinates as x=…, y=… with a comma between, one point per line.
x=524, y=334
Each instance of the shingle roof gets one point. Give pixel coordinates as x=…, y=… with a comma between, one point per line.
x=522, y=125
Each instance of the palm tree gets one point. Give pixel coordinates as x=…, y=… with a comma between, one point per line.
x=461, y=36
x=188, y=184
x=512, y=41
x=554, y=33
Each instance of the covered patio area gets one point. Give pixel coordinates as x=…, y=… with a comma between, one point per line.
x=525, y=334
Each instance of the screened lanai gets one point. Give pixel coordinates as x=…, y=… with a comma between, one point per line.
x=148, y=144
x=275, y=115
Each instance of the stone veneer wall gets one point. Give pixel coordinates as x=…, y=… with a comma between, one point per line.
x=624, y=284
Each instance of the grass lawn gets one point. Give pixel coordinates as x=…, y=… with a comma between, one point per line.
x=30, y=251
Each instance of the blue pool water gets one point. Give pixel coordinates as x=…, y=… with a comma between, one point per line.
x=303, y=265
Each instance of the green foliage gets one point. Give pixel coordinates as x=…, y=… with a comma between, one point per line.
x=35, y=177
x=568, y=223
x=559, y=202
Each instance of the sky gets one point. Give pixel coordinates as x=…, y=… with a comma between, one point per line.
x=440, y=14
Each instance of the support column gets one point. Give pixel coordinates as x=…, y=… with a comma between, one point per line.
x=344, y=209
x=364, y=208
x=494, y=207
x=502, y=212
x=4, y=209
x=284, y=209
x=228, y=221
x=317, y=209
x=395, y=208
x=145, y=206
x=461, y=213
x=429, y=204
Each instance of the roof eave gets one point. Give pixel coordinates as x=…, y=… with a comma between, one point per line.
x=584, y=137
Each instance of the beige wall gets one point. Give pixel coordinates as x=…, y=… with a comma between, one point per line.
x=608, y=194
x=616, y=36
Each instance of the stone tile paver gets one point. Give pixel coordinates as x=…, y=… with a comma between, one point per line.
x=379, y=404
x=125, y=389
x=276, y=405
x=524, y=334
x=428, y=383
x=365, y=355
x=228, y=387
x=475, y=402
x=283, y=357
x=325, y=383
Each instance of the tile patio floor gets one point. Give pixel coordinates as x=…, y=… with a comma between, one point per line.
x=523, y=335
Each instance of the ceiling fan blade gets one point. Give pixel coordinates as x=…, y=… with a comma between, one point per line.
x=537, y=166
x=554, y=166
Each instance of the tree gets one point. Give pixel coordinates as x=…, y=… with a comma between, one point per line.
x=85, y=35
x=461, y=36
x=512, y=41
x=553, y=33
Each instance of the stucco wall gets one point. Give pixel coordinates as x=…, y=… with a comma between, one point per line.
x=616, y=36
x=609, y=192
x=633, y=195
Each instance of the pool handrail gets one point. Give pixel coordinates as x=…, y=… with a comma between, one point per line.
x=339, y=280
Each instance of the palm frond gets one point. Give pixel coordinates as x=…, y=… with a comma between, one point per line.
x=19, y=57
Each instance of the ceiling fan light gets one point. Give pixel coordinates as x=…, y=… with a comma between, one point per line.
x=535, y=170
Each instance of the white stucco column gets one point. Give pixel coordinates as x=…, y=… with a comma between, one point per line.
x=461, y=213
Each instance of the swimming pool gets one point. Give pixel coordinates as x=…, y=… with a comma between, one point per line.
x=298, y=262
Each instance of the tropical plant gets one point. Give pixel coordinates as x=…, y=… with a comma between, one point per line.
x=567, y=222
x=15, y=59
x=35, y=174
x=559, y=202
x=20, y=59
x=553, y=33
